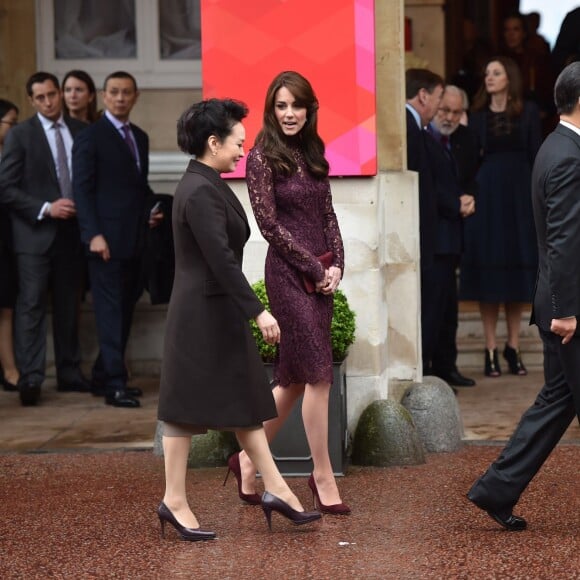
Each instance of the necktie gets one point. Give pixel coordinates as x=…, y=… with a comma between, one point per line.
x=445, y=141
x=129, y=141
x=62, y=164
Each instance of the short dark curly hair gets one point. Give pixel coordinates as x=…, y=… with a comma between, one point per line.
x=206, y=118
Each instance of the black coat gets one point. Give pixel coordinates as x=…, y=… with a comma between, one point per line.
x=212, y=374
x=556, y=202
x=158, y=257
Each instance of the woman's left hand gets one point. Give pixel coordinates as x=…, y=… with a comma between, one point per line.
x=333, y=277
x=269, y=327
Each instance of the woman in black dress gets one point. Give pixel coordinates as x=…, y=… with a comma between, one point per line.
x=212, y=375
x=10, y=375
x=499, y=263
x=289, y=190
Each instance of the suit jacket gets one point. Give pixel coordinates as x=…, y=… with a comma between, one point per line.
x=110, y=191
x=556, y=203
x=418, y=160
x=465, y=150
x=447, y=192
x=27, y=180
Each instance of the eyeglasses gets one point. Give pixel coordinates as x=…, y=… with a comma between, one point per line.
x=12, y=123
x=447, y=111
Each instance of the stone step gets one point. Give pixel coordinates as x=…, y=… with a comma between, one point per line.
x=471, y=343
x=470, y=353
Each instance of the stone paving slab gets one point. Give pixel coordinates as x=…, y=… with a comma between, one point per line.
x=69, y=421
x=92, y=515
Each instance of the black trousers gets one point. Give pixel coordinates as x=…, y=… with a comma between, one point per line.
x=540, y=429
x=58, y=275
x=115, y=286
x=439, y=314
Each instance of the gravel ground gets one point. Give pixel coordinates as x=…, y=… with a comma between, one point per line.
x=92, y=515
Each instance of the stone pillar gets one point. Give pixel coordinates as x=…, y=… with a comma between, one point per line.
x=398, y=211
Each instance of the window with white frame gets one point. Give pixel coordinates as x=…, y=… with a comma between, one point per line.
x=158, y=41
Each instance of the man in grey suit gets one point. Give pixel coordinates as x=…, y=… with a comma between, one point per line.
x=556, y=308
x=35, y=184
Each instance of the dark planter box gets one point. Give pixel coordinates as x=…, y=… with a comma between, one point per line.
x=290, y=446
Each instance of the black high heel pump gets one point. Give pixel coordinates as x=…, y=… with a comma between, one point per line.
x=189, y=534
x=234, y=467
x=272, y=503
x=514, y=360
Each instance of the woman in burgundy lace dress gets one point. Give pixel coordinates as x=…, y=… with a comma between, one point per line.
x=289, y=190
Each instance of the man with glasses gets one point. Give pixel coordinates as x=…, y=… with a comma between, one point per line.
x=453, y=156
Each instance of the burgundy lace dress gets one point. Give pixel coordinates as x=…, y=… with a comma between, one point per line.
x=297, y=219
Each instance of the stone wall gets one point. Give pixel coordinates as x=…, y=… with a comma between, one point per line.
x=378, y=216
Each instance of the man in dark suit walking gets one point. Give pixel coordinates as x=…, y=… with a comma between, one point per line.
x=111, y=164
x=453, y=156
x=35, y=183
x=556, y=308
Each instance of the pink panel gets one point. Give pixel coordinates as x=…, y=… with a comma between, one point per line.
x=245, y=44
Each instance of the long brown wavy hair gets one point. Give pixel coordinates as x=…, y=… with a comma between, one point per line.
x=275, y=144
x=515, y=100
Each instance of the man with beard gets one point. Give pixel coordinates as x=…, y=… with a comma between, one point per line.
x=453, y=156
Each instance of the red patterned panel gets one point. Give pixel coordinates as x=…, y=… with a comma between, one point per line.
x=245, y=44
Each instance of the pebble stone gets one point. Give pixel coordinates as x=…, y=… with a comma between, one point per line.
x=92, y=515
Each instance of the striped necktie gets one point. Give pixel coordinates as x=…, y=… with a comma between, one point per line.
x=62, y=169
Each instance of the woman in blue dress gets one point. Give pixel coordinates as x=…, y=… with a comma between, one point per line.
x=500, y=258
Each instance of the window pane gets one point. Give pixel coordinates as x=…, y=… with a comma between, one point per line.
x=180, y=29
x=94, y=29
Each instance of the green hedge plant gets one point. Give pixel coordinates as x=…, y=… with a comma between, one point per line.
x=341, y=331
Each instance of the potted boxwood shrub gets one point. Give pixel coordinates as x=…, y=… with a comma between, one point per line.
x=290, y=447
x=341, y=331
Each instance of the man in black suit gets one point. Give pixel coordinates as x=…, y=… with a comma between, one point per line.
x=556, y=308
x=111, y=164
x=35, y=184
x=454, y=157
x=423, y=91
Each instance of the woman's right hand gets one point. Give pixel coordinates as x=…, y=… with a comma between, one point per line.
x=269, y=327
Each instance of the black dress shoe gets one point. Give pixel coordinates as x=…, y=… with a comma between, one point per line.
x=7, y=385
x=101, y=391
x=507, y=520
x=121, y=399
x=29, y=393
x=79, y=385
x=455, y=379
